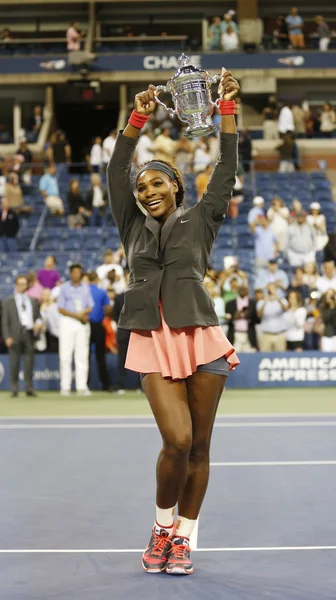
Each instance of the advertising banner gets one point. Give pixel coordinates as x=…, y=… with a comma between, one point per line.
x=161, y=61
x=259, y=370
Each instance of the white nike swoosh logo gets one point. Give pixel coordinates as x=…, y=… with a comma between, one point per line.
x=185, y=221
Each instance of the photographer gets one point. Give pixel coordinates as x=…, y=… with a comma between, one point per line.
x=271, y=312
x=328, y=313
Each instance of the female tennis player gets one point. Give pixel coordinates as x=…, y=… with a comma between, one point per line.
x=176, y=343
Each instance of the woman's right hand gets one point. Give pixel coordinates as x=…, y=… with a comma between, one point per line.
x=144, y=102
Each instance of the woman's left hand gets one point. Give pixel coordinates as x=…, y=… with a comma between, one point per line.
x=228, y=86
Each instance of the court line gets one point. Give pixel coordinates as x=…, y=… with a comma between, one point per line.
x=151, y=418
x=140, y=550
x=153, y=425
x=280, y=463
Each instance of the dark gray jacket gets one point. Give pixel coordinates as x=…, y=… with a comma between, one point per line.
x=171, y=266
x=10, y=317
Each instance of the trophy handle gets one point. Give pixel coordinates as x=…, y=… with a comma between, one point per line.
x=163, y=88
x=213, y=79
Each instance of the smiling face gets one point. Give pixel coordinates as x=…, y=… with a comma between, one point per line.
x=157, y=194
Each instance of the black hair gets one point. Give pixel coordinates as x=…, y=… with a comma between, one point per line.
x=75, y=266
x=178, y=175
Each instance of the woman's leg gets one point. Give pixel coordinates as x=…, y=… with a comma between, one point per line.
x=169, y=402
x=204, y=392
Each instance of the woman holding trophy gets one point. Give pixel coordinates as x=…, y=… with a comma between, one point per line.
x=176, y=343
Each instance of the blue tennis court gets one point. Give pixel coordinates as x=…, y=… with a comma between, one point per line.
x=77, y=504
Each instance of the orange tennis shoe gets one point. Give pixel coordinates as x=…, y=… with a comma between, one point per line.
x=179, y=561
x=154, y=558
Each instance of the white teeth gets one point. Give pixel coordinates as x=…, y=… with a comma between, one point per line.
x=154, y=203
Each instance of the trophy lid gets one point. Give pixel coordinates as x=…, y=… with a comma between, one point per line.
x=185, y=68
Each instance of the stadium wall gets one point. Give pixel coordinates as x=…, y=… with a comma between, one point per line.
x=260, y=370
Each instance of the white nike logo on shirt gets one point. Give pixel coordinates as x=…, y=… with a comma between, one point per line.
x=186, y=221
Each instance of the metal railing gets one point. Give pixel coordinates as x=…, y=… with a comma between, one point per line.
x=38, y=228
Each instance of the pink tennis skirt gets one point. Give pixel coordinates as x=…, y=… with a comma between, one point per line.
x=177, y=353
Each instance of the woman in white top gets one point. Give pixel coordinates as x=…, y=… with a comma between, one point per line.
x=229, y=40
x=311, y=275
x=201, y=156
x=327, y=119
x=73, y=36
x=295, y=319
x=318, y=221
x=278, y=215
x=96, y=155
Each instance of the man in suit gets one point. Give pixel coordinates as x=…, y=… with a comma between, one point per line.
x=241, y=332
x=9, y=227
x=21, y=320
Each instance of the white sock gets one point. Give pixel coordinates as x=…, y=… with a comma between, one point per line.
x=165, y=518
x=184, y=527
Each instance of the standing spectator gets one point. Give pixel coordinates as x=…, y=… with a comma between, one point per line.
x=75, y=303
x=327, y=119
x=314, y=323
x=184, y=157
x=217, y=300
x=241, y=332
x=49, y=277
x=75, y=205
x=109, y=265
x=256, y=211
x=228, y=22
x=50, y=191
x=164, y=147
x=96, y=155
x=295, y=210
x=50, y=317
x=295, y=28
x=299, y=117
x=201, y=156
x=108, y=147
x=13, y=193
x=214, y=33
x=310, y=275
x=272, y=274
x=144, y=151
x=229, y=40
x=328, y=314
x=73, y=36
x=328, y=280
x=34, y=125
x=24, y=151
x=301, y=242
x=270, y=123
x=35, y=289
x=21, y=320
x=295, y=318
x=278, y=216
x=318, y=221
x=96, y=200
x=280, y=33
x=9, y=227
x=286, y=151
x=271, y=312
x=245, y=150
x=323, y=32
x=202, y=180
x=285, y=120
x=59, y=150
x=100, y=309
x=265, y=242
x=298, y=284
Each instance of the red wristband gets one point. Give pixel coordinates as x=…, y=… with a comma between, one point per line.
x=227, y=107
x=138, y=120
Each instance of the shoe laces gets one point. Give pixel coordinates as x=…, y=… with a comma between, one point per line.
x=159, y=544
x=180, y=551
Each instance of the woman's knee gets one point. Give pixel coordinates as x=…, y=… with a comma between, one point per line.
x=177, y=445
x=200, y=452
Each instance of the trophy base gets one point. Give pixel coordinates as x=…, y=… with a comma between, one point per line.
x=199, y=131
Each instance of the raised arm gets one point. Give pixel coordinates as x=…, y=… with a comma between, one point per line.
x=121, y=198
x=215, y=201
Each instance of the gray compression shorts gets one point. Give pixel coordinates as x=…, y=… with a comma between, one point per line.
x=220, y=366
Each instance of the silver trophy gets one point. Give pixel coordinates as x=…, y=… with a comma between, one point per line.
x=190, y=88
